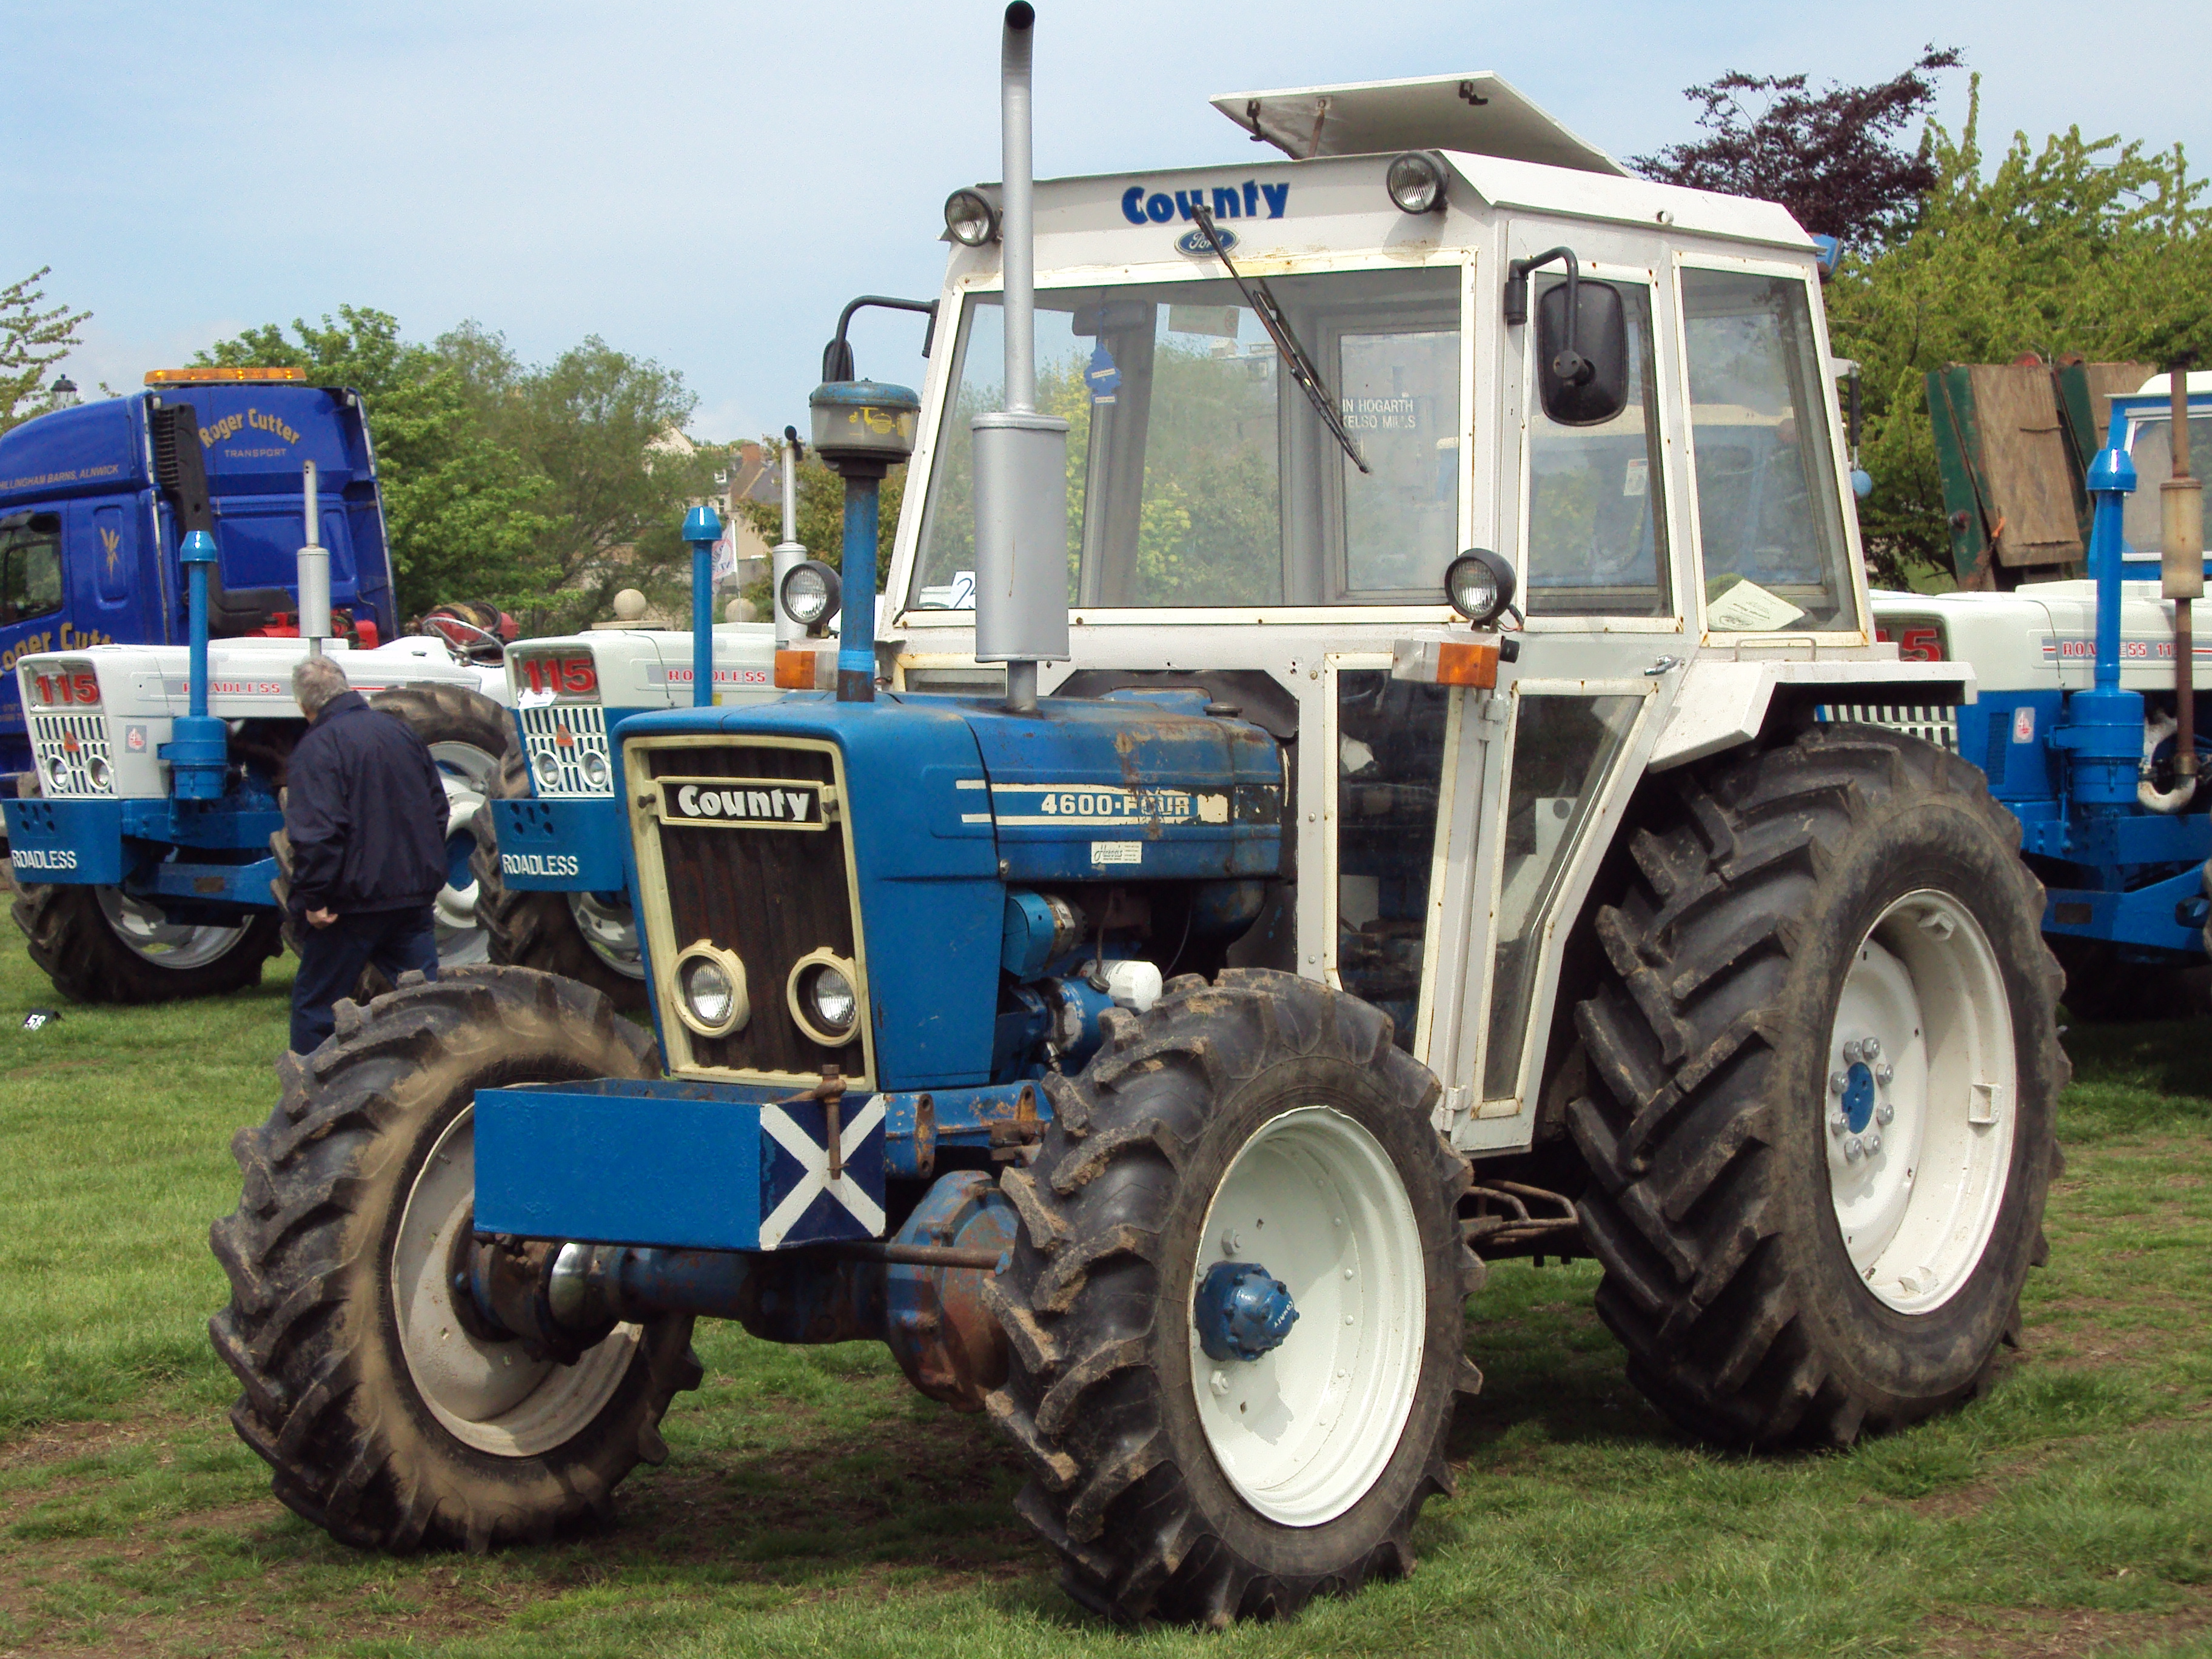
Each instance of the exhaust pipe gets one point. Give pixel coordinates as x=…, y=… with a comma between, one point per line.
x=314, y=569
x=1020, y=456
x=787, y=552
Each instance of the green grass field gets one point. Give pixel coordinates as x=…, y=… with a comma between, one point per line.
x=814, y=1505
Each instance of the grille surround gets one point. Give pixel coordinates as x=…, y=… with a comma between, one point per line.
x=770, y=894
x=50, y=735
x=586, y=724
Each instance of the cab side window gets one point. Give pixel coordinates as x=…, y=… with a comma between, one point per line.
x=1770, y=520
x=1597, y=525
x=30, y=573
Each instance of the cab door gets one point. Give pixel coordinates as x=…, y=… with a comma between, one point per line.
x=1589, y=515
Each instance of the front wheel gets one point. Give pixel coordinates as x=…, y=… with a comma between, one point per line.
x=101, y=944
x=1824, y=1063
x=1235, y=1311
x=387, y=1420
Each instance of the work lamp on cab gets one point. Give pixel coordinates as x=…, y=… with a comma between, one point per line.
x=969, y=219
x=710, y=990
x=823, y=1001
x=810, y=593
x=1416, y=183
x=1480, y=585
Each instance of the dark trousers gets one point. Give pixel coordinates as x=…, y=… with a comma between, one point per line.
x=331, y=958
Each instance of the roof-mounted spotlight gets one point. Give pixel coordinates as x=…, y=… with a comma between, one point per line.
x=969, y=218
x=1416, y=183
x=1480, y=584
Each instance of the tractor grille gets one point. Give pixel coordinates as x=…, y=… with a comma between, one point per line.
x=63, y=748
x=772, y=895
x=558, y=767
x=1931, y=723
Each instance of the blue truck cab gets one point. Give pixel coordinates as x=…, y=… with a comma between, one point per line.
x=90, y=539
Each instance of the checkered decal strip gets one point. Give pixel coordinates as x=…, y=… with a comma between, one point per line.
x=1933, y=724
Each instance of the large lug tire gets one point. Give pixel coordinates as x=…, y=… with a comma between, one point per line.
x=1804, y=1238
x=468, y=735
x=1271, y=1119
x=386, y=1421
x=572, y=934
x=98, y=945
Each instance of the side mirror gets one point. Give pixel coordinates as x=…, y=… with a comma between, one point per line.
x=1581, y=356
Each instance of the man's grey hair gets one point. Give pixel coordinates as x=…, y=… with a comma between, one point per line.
x=315, y=681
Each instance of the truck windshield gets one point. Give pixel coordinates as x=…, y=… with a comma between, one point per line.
x=30, y=572
x=1197, y=474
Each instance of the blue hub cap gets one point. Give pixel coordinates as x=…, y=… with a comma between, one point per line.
x=1858, y=1096
x=1243, y=1311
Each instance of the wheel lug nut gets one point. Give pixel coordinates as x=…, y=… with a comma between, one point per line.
x=1853, y=1150
x=1220, y=1384
x=1883, y=1113
x=1231, y=1242
x=1871, y=1049
x=1837, y=1124
x=1851, y=1052
x=1882, y=1074
x=1873, y=1142
x=1837, y=1082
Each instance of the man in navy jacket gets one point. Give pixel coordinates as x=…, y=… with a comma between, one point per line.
x=365, y=811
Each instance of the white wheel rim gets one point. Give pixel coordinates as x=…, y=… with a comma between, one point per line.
x=1917, y=1161
x=1305, y=1431
x=609, y=931
x=468, y=773
x=490, y=1396
x=147, y=933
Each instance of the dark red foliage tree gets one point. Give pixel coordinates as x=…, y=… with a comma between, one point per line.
x=1829, y=157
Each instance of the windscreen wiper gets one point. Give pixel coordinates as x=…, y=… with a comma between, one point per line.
x=1261, y=298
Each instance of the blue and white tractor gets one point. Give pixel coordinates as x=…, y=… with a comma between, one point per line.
x=2088, y=723
x=1337, y=798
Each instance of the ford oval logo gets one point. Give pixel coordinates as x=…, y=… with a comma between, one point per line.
x=1194, y=241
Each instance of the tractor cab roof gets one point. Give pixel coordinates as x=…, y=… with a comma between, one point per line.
x=1477, y=113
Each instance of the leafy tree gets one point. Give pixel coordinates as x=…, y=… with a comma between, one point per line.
x=1827, y=156
x=459, y=508
x=602, y=431
x=31, y=341
x=2089, y=245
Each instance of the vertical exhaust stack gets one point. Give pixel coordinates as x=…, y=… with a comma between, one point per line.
x=1020, y=456
x=314, y=568
x=788, y=551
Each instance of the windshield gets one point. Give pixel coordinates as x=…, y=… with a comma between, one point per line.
x=1184, y=427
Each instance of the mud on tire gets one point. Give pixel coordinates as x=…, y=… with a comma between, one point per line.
x=333, y=1399
x=1710, y=1122
x=1100, y=1398
x=537, y=929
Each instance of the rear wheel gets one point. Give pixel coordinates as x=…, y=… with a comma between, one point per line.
x=386, y=1418
x=1235, y=1311
x=1825, y=1061
x=100, y=944
x=467, y=734
x=586, y=936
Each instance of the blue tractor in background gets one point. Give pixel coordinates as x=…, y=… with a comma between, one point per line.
x=2087, y=721
x=165, y=558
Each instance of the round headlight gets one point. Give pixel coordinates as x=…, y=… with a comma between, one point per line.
x=710, y=990
x=547, y=759
x=969, y=219
x=809, y=594
x=96, y=769
x=830, y=1000
x=58, y=771
x=1480, y=584
x=597, y=774
x=1416, y=183
x=824, y=998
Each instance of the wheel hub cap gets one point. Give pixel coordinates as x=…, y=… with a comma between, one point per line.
x=1244, y=1312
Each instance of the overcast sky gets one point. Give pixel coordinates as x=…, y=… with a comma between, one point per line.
x=706, y=185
